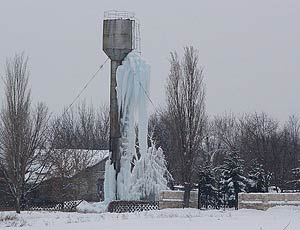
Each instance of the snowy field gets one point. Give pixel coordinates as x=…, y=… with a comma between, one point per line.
x=174, y=219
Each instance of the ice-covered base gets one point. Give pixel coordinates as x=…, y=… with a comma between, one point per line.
x=147, y=179
x=149, y=175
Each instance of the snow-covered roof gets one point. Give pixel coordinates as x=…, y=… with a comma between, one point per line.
x=96, y=155
x=93, y=156
x=85, y=157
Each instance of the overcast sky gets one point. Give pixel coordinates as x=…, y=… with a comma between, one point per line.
x=250, y=50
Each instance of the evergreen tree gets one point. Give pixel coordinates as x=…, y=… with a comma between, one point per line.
x=232, y=180
x=258, y=178
x=296, y=178
x=207, y=191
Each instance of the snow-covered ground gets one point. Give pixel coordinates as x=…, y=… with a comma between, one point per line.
x=174, y=219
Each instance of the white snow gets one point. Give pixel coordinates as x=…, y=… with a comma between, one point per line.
x=251, y=202
x=97, y=156
x=176, y=219
x=97, y=207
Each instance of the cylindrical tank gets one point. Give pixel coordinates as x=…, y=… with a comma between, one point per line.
x=117, y=38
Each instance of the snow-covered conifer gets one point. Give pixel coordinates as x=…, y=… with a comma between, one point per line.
x=232, y=179
x=296, y=178
x=207, y=185
x=258, y=178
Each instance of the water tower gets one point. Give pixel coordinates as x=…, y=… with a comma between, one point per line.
x=120, y=36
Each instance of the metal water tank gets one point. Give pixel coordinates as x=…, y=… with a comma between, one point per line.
x=117, y=38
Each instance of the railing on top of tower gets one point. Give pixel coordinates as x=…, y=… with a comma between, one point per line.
x=136, y=28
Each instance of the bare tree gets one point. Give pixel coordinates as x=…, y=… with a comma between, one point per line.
x=23, y=133
x=102, y=127
x=223, y=137
x=82, y=128
x=291, y=143
x=262, y=139
x=292, y=137
x=186, y=112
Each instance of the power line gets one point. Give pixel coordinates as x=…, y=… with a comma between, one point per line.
x=79, y=94
x=84, y=88
x=148, y=96
x=92, y=78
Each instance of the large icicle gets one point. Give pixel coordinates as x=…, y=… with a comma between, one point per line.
x=109, y=182
x=133, y=78
x=150, y=174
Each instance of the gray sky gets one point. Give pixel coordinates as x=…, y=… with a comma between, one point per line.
x=250, y=50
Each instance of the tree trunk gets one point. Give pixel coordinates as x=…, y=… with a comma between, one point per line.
x=18, y=207
x=199, y=197
x=236, y=201
x=224, y=200
x=186, y=195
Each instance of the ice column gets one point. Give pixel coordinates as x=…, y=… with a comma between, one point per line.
x=133, y=78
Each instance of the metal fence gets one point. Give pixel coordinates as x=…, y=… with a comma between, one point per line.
x=7, y=205
x=116, y=14
x=66, y=206
x=121, y=206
